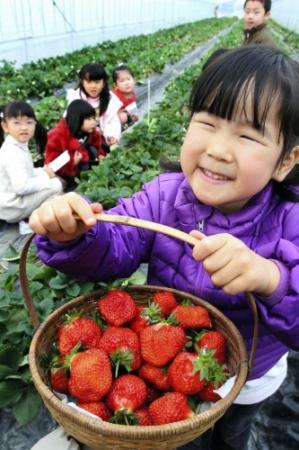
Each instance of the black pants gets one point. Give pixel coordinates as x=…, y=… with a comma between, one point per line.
x=231, y=432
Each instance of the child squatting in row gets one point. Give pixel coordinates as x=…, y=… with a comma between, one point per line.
x=113, y=108
x=238, y=184
x=22, y=186
x=77, y=133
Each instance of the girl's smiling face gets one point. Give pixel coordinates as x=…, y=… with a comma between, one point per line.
x=228, y=162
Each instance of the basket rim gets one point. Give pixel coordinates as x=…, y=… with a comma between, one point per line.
x=136, y=432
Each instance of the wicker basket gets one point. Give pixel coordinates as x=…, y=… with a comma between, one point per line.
x=102, y=435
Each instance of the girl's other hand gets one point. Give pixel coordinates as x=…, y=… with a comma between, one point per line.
x=134, y=118
x=111, y=140
x=123, y=117
x=50, y=172
x=77, y=158
x=55, y=217
x=234, y=267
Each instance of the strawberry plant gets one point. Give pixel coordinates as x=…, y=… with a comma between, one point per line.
x=150, y=54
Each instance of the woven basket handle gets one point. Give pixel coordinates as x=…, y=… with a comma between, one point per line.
x=131, y=221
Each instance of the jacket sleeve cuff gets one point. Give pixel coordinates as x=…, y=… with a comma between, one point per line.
x=281, y=290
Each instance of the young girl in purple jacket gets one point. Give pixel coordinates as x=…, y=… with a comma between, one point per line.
x=237, y=188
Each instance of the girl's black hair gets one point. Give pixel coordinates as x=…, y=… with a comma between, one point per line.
x=92, y=72
x=214, y=56
x=121, y=68
x=265, y=76
x=76, y=113
x=17, y=109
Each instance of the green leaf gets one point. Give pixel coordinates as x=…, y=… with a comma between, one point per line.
x=11, y=254
x=73, y=290
x=45, y=307
x=3, y=315
x=26, y=375
x=58, y=283
x=33, y=271
x=137, y=277
x=10, y=392
x=10, y=356
x=28, y=406
x=5, y=371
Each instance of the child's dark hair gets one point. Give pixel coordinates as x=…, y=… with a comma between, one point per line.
x=17, y=109
x=214, y=56
x=266, y=4
x=224, y=87
x=76, y=113
x=121, y=68
x=92, y=72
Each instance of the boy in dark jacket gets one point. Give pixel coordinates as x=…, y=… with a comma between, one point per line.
x=256, y=15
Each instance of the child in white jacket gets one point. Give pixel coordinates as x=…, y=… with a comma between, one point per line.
x=22, y=186
x=93, y=87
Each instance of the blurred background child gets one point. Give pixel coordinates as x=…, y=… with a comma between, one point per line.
x=93, y=87
x=76, y=133
x=22, y=186
x=124, y=88
x=256, y=15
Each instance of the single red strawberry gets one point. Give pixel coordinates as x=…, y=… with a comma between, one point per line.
x=139, y=322
x=90, y=375
x=145, y=316
x=127, y=392
x=160, y=343
x=77, y=329
x=144, y=418
x=58, y=375
x=189, y=372
x=122, y=345
x=166, y=301
x=97, y=408
x=193, y=317
x=156, y=376
x=207, y=394
x=171, y=407
x=182, y=375
x=117, y=307
x=212, y=340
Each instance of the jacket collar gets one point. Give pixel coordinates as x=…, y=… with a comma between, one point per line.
x=11, y=140
x=248, y=32
x=190, y=211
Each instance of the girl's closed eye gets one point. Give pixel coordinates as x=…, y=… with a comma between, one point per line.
x=249, y=138
x=252, y=137
x=206, y=124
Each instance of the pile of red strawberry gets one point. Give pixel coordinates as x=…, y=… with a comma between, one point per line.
x=140, y=365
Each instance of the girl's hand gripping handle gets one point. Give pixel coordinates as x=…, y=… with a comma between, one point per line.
x=55, y=218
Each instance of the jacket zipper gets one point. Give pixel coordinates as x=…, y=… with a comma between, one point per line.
x=201, y=225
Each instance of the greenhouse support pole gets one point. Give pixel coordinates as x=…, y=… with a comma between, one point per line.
x=149, y=101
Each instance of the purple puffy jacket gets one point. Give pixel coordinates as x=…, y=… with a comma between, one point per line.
x=266, y=224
